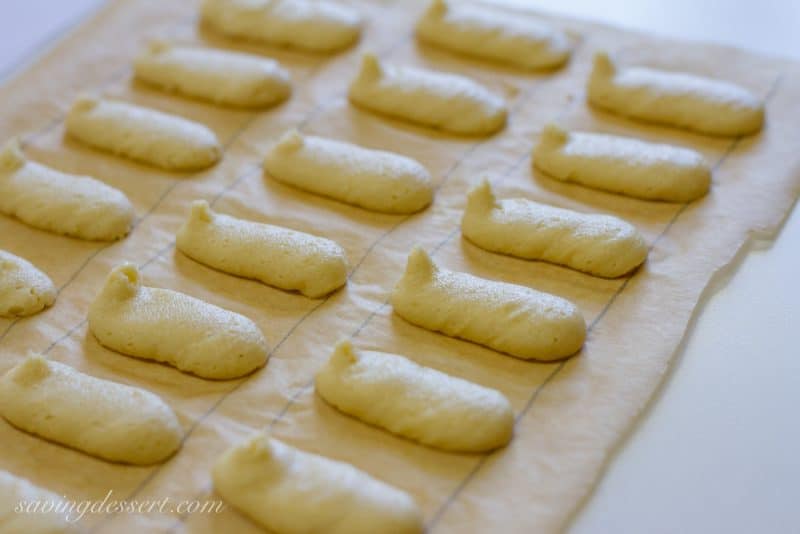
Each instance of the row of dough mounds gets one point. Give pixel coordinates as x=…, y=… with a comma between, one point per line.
x=266, y=479
x=439, y=100
x=381, y=181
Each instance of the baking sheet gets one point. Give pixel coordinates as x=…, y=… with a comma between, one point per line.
x=570, y=414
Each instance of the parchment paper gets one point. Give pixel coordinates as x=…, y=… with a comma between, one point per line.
x=570, y=414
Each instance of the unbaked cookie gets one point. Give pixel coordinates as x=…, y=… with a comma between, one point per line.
x=105, y=419
x=679, y=99
x=143, y=134
x=488, y=33
x=174, y=328
x=623, y=165
x=24, y=289
x=371, y=179
x=449, y=102
x=28, y=509
x=218, y=76
x=311, y=25
x=50, y=200
x=601, y=245
x=289, y=491
x=509, y=318
x=277, y=256
x=419, y=403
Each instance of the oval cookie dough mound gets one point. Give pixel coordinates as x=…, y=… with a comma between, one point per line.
x=142, y=134
x=229, y=78
x=449, y=102
x=372, y=179
x=505, y=317
x=44, y=198
x=277, y=256
x=105, y=419
x=24, y=289
x=18, y=492
x=687, y=101
x=601, y=245
x=173, y=328
x=314, y=26
x=289, y=491
x=419, y=403
x=491, y=34
x=622, y=165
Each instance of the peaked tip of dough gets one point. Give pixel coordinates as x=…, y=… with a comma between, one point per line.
x=553, y=133
x=259, y=446
x=344, y=353
x=201, y=211
x=12, y=156
x=419, y=263
x=370, y=66
x=291, y=140
x=603, y=64
x=437, y=8
x=84, y=102
x=481, y=195
x=156, y=46
x=124, y=279
x=32, y=369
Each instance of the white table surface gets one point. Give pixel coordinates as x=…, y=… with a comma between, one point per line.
x=717, y=450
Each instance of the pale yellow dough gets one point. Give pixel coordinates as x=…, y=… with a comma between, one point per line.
x=623, y=165
x=289, y=491
x=704, y=105
x=419, y=403
x=44, y=198
x=449, y=102
x=106, y=419
x=218, y=76
x=277, y=256
x=142, y=134
x=24, y=289
x=601, y=245
x=28, y=509
x=372, y=179
x=174, y=328
x=488, y=33
x=311, y=25
x=509, y=318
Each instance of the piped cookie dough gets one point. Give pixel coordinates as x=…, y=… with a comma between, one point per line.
x=142, y=134
x=277, y=256
x=448, y=102
x=67, y=204
x=106, y=419
x=704, y=105
x=221, y=77
x=419, y=403
x=310, y=25
x=290, y=491
x=25, y=508
x=491, y=34
x=601, y=245
x=170, y=327
x=24, y=289
x=508, y=318
x=623, y=165
x=372, y=179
